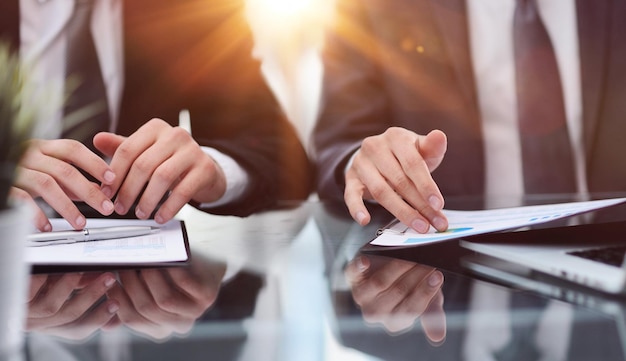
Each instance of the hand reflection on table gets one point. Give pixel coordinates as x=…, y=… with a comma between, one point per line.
x=395, y=293
x=160, y=303
x=71, y=305
x=157, y=303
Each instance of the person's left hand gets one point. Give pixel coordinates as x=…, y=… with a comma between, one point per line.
x=163, y=159
x=50, y=170
x=71, y=305
x=162, y=302
x=395, y=292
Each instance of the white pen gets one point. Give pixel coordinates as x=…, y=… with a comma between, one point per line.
x=89, y=234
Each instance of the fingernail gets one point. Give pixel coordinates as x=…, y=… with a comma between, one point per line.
x=47, y=227
x=360, y=217
x=109, y=176
x=360, y=264
x=159, y=219
x=119, y=208
x=139, y=213
x=435, y=279
x=80, y=221
x=435, y=203
x=113, y=307
x=108, y=282
x=107, y=206
x=439, y=223
x=107, y=191
x=419, y=225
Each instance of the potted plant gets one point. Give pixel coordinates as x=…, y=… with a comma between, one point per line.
x=17, y=120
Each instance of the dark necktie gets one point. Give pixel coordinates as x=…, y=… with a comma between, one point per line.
x=546, y=151
x=86, y=111
x=526, y=312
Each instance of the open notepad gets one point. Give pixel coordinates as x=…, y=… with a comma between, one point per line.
x=168, y=245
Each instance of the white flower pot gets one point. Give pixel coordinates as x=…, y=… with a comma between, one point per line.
x=15, y=224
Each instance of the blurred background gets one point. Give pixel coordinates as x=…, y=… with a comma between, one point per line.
x=289, y=35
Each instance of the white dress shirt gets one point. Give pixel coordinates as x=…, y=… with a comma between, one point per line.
x=43, y=45
x=491, y=43
x=491, y=39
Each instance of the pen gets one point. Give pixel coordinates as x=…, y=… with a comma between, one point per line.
x=89, y=234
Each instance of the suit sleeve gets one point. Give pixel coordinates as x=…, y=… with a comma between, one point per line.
x=197, y=55
x=354, y=104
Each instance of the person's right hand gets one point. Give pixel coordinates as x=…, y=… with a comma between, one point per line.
x=49, y=169
x=395, y=292
x=394, y=169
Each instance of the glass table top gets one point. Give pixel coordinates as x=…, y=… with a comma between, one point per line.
x=297, y=284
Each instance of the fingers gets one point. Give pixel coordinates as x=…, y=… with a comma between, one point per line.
x=49, y=170
x=60, y=304
x=388, y=195
x=353, y=196
x=162, y=302
x=42, y=222
x=395, y=293
x=52, y=296
x=45, y=186
x=424, y=289
x=129, y=316
x=392, y=169
x=131, y=154
x=432, y=147
x=203, y=181
x=141, y=304
x=160, y=160
x=166, y=296
x=35, y=284
x=203, y=289
x=180, y=174
x=76, y=153
x=356, y=270
x=100, y=317
x=434, y=321
x=107, y=143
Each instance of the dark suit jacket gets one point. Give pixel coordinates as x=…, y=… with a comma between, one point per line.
x=407, y=63
x=196, y=55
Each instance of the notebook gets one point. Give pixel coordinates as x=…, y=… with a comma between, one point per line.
x=591, y=255
x=167, y=247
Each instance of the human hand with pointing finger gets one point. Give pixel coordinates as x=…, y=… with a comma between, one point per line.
x=394, y=169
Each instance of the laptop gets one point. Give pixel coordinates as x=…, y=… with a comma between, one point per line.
x=591, y=255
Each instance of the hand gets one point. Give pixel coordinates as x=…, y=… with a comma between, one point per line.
x=71, y=305
x=395, y=293
x=162, y=159
x=394, y=169
x=162, y=302
x=49, y=170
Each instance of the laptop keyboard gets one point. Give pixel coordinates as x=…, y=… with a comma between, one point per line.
x=613, y=256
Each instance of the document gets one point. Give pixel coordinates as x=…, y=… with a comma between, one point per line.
x=167, y=244
x=467, y=223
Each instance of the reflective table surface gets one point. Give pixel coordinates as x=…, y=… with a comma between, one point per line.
x=297, y=284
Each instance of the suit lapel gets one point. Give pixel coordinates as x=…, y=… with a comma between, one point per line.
x=452, y=20
x=593, y=24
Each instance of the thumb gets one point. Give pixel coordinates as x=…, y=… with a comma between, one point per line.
x=432, y=147
x=107, y=143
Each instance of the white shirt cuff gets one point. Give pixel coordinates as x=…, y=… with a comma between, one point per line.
x=237, y=178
